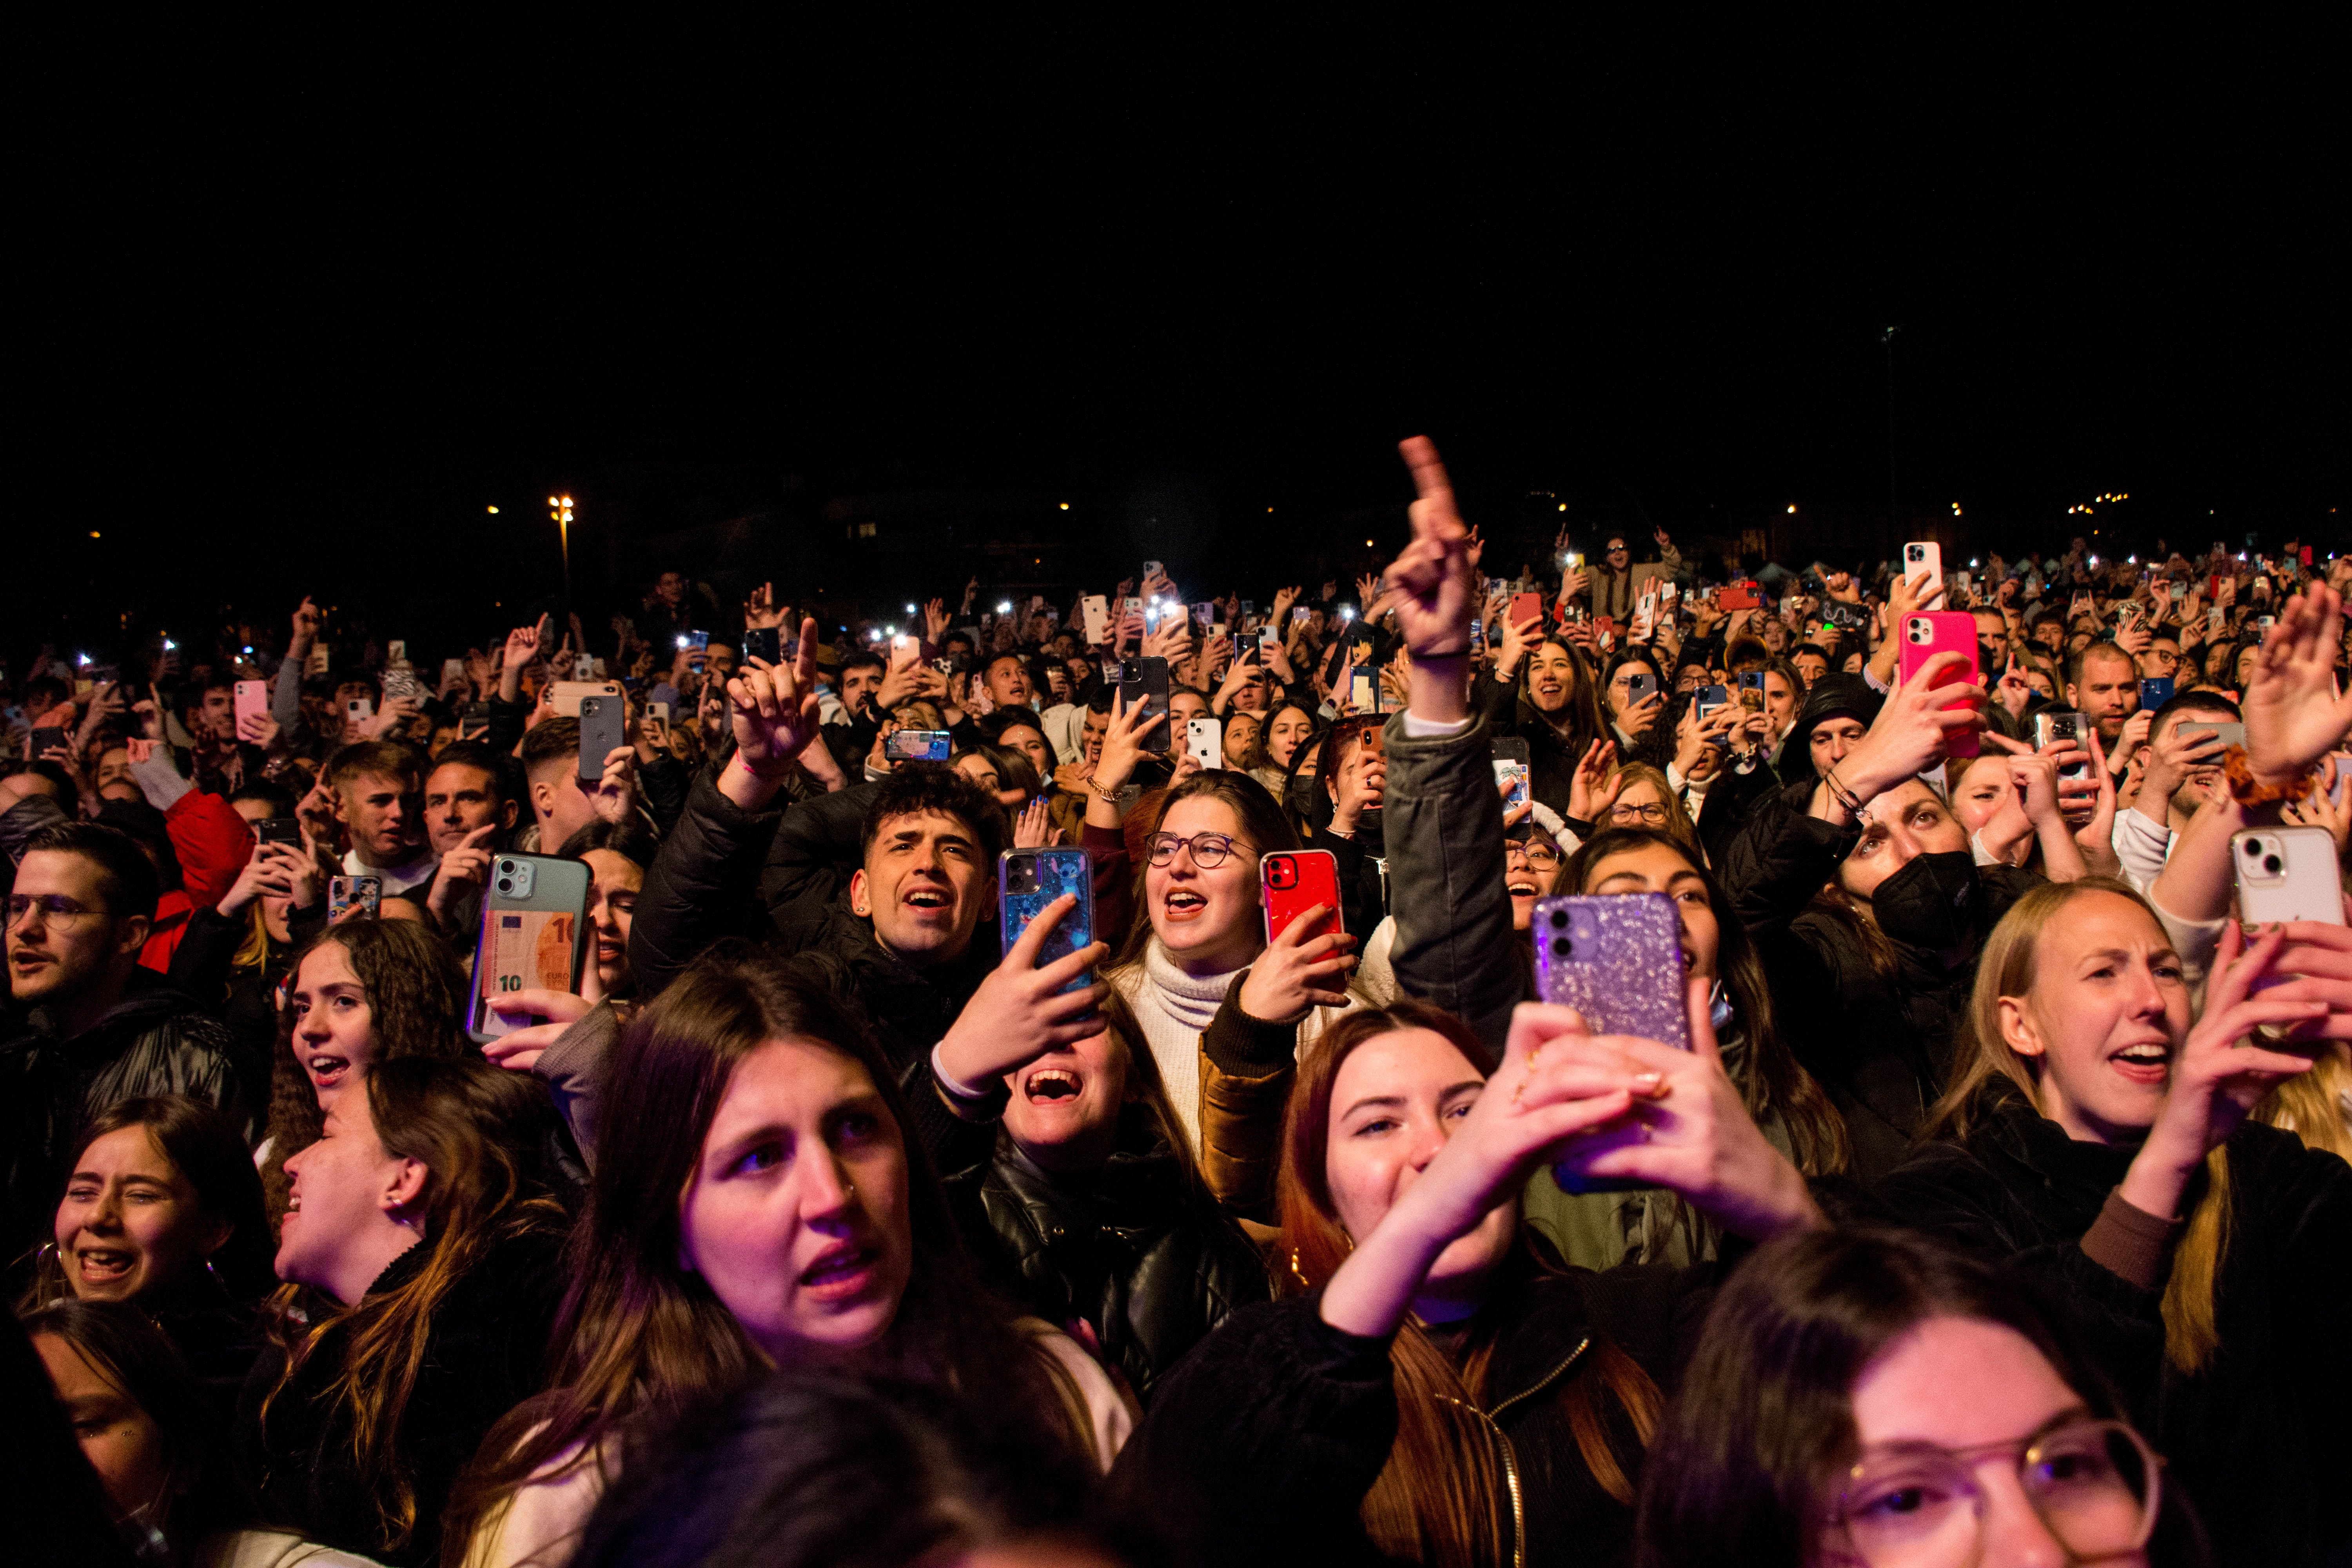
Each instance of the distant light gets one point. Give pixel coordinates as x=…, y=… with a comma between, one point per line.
x=910, y=610
x=552, y=502
x=1347, y=612
x=93, y=533
x=1269, y=509
x=894, y=631
x=84, y=657
x=1004, y=607
x=873, y=637
x=2095, y=561
x=1972, y=560
x=494, y=511
x=1368, y=544
x=1066, y=506
x=248, y=648
x=169, y=646
x=1792, y=510
x=1563, y=506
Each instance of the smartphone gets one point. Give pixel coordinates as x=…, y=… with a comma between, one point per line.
x=1205, y=739
x=1511, y=767
x=2286, y=874
x=345, y=894
x=763, y=643
x=1204, y=613
x=1526, y=607
x=603, y=724
x=1944, y=631
x=452, y=671
x=1095, y=610
x=1709, y=698
x=2214, y=618
x=570, y=694
x=476, y=723
x=1153, y=569
x=534, y=936
x=1143, y=687
x=38, y=743
x=2155, y=691
x=252, y=700
x=2228, y=734
x=583, y=667
x=916, y=745
x=1249, y=608
x=360, y=709
x=1751, y=690
x=1364, y=690
x=1130, y=606
x=2180, y=591
x=1293, y=880
x=1299, y=613
x=659, y=713
x=1153, y=615
x=283, y=830
x=1617, y=959
x=1639, y=684
x=1029, y=879
x=2055, y=724
x=395, y=652
x=1923, y=558
x=696, y=645
x=1739, y=597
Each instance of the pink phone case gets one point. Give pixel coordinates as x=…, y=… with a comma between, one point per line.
x=1928, y=633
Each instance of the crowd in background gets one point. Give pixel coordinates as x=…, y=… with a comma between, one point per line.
x=1990, y=1204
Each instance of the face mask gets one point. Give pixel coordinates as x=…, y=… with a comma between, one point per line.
x=1934, y=902
x=1300, y=794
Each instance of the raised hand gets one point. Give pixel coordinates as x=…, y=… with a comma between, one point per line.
x=773, y=709
x=760, y=610
x=1022, y=1011
x=307, y=621
x=2294, y=714
x=459, y=879
x=1434, y=590
x=1298, y=971
x=1031, y=830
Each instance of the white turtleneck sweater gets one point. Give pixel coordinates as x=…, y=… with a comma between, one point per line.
x=1174, y=1009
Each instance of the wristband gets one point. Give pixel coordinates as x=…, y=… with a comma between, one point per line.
x=1839, y=793
x=1462, y=652
x=969, y=1104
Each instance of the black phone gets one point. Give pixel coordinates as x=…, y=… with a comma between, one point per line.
x=476, y=722
x=764, y=642
x=604, y=721
x=38, y=744
x=1143, y=684
x=283, y=830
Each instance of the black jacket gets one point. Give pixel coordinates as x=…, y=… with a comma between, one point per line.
x=2259, y=1436
x=1879, y=1043
x=1551, y=760
x=1136, y=1248
x=1262, y=1444
x=482, y=1357
x=151, y=1042
x=246, y=1000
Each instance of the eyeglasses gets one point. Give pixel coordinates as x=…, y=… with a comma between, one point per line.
x=1624, y=812
x=55, y=907
x=1208, y=850
x=2094, y=1484
x=1541, y=857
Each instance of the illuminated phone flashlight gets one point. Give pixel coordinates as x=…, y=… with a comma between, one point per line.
x=1004, y=607
x=873, y=637
x=682, y=641
x=170, y=647
x=910, y=610
x=83, y=657
x=1347, y=612
x=248, y=648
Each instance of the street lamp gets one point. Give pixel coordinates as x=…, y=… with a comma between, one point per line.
x=560, y=508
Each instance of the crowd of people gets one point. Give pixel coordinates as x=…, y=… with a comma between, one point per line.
x=1988, y=1205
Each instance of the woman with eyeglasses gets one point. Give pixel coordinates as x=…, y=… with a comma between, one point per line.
x=1867, y=1399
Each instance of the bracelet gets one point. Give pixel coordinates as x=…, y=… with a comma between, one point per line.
x=1110, y=795
x=1441, y=652
x=1839, y=793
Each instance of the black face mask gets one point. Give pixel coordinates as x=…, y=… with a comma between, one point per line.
x=1300, y=794
x=1934, y=902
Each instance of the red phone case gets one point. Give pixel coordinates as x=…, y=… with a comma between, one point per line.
x=1740, y=596
x=1526, y=607
x=1947, y=631
x=1293, y=880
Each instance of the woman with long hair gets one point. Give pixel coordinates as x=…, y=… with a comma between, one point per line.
x=363, y=992
x=1442, y=1389
x=1290, y=726
x=758, y=1200
x=1541, y=689
x=420, y=1254
x=2095, y=1135
x=1849, y=1398
x=617, y=855
x=161, y=1210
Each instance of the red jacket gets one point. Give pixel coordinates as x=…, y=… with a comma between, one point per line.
x=212, y=844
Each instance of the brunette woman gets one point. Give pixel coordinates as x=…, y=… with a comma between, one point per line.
x=163, y=1211
x=2096, y=1137
x=1542, y=690
x=1875, y=1400
x=758, y=1200
x=1442, y=1390
x=420, y=1253
x=1290, y=726
x=363, y=992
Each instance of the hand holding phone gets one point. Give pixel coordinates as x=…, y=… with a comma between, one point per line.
x=1307, y=956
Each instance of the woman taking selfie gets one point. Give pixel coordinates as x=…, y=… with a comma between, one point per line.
x=364, y=992
x=1556, y=709
x=1443, y=1390
x=2097, y=1136
x=421, y=1259
x=757, y=1203
x=163, y=1211
x=1871, y=1400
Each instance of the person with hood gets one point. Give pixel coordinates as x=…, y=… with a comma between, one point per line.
x=96, y=1028
x=1856, y=883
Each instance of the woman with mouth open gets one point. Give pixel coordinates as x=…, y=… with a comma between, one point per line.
x=2095, y=1136
x=762, y=1197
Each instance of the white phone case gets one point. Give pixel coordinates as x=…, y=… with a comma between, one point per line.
x=2286, y=874
x=1923, y=557
x=1205, y=739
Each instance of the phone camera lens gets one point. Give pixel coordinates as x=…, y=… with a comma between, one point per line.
x=506, y=884
x=2271, y=863
x=2254, y=847
x=1562, y=947
x=1560, y=917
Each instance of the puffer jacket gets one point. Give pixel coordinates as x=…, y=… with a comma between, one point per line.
x=1879, y=1040
x=153, y=1041
x=2257, y=1436
x=1277, y=1392
x=1134, y=1249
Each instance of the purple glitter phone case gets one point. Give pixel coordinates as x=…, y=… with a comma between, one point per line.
x=1617, y=959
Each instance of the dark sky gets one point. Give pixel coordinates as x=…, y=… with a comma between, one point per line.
x=308, y=333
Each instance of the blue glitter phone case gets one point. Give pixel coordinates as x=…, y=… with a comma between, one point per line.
x=1617, y=959
x=1029, y=879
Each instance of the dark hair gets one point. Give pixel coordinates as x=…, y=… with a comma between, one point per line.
x=914, y=788
x=826, y=1468
x=497, y=765
x=126, y=877
x=377, y=759
x=130, y=1352
x=2195, y=701
x=1003, y=719
x=548, y=740
x=418, y=999
x=629, y=839
x=641, y=1335
x=207, y=1149
x=270, y=793
x=477, y=1130
x=862, y=659
x=1764, y=1414
x=1263, y=822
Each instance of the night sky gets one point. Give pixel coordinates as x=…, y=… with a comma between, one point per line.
x=308, y=338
